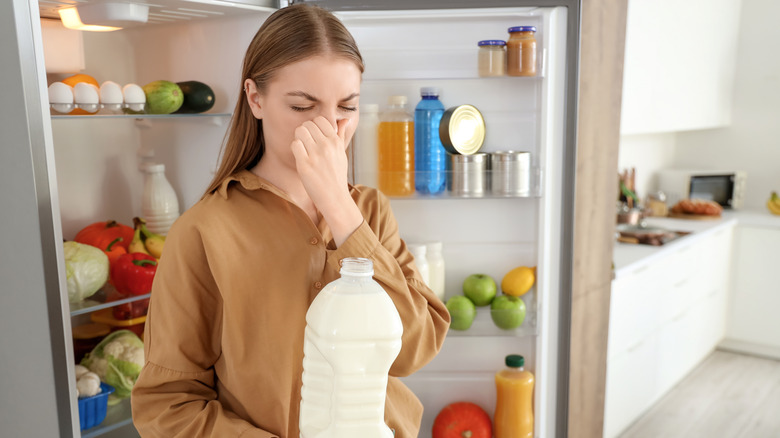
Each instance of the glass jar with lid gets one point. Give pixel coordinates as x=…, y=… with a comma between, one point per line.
x=521, y=51
x=492, y=58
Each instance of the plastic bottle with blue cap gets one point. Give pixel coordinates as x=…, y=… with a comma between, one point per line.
x=430, y=158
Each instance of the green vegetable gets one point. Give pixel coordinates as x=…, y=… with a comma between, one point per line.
x=117, y=360
x=162, y=97
x=86, y=269
x=198, y=97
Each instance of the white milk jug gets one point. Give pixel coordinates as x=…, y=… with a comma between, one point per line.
x=352, y=337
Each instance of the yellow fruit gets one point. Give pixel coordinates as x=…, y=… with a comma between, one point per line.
x=518, y=281
x=75, y=79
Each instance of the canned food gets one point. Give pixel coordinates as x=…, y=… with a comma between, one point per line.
x=468, y=174
x=462, y=130
x=510, y=173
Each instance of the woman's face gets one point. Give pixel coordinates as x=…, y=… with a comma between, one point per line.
x=326, y=86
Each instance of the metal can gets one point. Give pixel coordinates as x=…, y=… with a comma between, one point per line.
x=462, y=130
x=468, y=175
x=510, y=173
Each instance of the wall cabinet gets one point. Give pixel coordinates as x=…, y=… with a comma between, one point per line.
x=679, y=66
x=664, y=319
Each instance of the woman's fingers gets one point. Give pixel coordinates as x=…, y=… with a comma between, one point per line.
x=342, y=129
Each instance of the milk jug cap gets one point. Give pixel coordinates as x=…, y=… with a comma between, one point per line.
x=514, y=361
x=357, y=266
x=154, y=168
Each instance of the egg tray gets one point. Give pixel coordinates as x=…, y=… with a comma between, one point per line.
x=65, y=108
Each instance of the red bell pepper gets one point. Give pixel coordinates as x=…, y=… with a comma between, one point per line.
x=133, y=273
x=113, y=251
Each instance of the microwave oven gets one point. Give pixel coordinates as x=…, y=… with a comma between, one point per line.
x=727, y=188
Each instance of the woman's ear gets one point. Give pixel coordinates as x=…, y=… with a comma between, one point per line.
x=253, y=98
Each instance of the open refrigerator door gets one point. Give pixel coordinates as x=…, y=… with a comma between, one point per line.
x=405, y=50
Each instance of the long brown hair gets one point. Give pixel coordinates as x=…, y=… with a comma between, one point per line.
x=289, y=35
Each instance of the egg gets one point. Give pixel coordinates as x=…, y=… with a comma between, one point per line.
x=87, y=96
x=135, y=98
x=61, y=97
x=111, y=95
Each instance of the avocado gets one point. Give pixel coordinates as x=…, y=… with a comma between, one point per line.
x=198, y=97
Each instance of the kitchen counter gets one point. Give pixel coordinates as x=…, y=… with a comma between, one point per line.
x=629, y=257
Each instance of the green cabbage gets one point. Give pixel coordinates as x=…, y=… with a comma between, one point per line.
x=117, y=360
x=86, y=269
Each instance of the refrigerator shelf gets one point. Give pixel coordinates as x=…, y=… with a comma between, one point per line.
x=98, y=302
x=117, y=416
x=139, y=116
x=483, y=325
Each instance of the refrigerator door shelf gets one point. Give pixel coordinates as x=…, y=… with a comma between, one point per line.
x=167, y=11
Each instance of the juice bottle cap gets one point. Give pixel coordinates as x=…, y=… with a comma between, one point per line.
x=429, y=91
x=514, y=361
x=396, y=100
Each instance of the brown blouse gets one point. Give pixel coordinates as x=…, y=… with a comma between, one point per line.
x=224, y=334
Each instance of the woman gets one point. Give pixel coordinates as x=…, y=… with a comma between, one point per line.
x=224, y=334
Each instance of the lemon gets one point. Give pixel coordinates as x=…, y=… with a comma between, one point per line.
x=518, y=281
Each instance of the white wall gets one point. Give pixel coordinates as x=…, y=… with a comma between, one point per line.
x=647, y=153
x=752, y=141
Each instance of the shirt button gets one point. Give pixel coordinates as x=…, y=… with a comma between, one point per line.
x=313, y=240
x=318, y=285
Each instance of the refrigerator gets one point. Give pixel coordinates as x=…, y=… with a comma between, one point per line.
x=61, y=173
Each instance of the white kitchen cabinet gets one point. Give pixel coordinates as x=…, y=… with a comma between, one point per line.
x=680, y=63
x=665, y=317
x=753, y=323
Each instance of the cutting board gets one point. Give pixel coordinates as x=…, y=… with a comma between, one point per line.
x=696, y=217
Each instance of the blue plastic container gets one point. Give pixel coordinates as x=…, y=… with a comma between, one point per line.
x=430, y=158
x=92, y=410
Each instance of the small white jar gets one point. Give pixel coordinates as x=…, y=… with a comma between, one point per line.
x=421, y=260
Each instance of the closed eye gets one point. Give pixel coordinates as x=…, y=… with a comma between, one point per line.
x=348, y=108
x=300, y=108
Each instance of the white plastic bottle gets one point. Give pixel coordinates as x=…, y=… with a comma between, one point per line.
x=159, y=205
x=352, y=337
x=436, y=268
x=421, y=260
x=366, y=144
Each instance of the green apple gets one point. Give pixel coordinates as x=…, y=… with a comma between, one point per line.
x=479, y=288
x=507, y=312
x=462, y=312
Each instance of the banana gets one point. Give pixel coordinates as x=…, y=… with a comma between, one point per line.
x=137, y=245
x=773, y=204
x=153, y=242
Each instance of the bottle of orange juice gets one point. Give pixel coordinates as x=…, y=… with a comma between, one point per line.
x=396, y=149
x=514, y=417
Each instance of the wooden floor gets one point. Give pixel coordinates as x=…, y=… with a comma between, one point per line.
x=728, y=396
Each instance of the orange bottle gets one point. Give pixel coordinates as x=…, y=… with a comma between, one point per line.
x=396, y=149
x=514, y=417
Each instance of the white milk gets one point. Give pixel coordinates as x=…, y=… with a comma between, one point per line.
x=352, y=337
x=436, y=268
x=418, y=250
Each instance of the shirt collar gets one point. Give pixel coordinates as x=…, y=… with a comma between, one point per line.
x=250, y=181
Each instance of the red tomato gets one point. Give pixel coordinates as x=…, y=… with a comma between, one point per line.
x=462, y=420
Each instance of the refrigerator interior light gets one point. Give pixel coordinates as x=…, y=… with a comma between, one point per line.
x=104, y=16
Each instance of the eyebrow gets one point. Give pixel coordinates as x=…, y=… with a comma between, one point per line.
x=308, y=96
